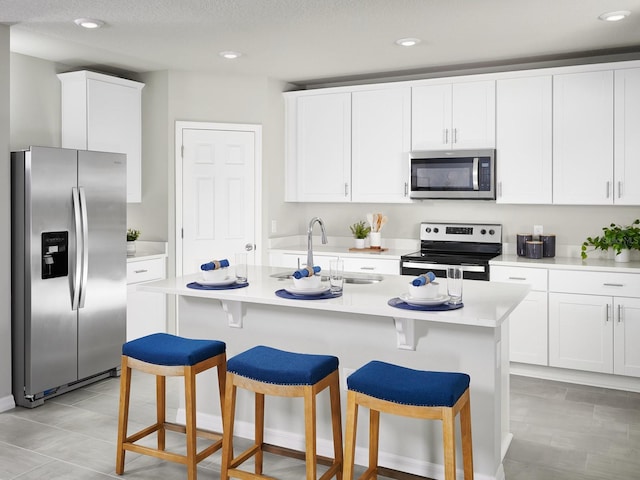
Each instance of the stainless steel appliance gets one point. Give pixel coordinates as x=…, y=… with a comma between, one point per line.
x=442, y=244
x=458, y=174
x=68, y=269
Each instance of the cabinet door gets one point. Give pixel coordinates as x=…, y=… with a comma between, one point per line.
x=523, y=140
x=528, y=330
x=627, y=140
x=474, y=115
x=581, y=332
x=380, y=145
x=583, y=138
x=323, y=147
x=146, y=311
x=114, y=125
x=627, y=336
x=431, y=117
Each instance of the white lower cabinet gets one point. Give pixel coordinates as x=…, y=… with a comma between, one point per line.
x=146, y=311
x=528, y=322
x=594, y=321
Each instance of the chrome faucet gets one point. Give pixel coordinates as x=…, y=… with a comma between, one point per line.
x=310, y=241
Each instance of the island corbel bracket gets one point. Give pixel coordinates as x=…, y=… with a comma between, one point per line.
x=405, y=333
x=234, y=312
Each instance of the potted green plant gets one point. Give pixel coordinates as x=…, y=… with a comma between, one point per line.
x=622, y=239
x=132, y=236
x=360, y=232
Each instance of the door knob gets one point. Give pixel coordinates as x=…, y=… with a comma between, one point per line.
x=249, y=246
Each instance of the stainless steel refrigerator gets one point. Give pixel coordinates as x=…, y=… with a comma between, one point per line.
x=68, y=269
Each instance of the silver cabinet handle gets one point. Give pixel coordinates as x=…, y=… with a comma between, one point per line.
x=608, y=188
x=619, y=313
x=517, y=278
x=455, y=135
x=368, y=268
x=613, y=284
x=446, y=136
x=144, y=270
x=500, y=189
x=608, y=313
x=619, y=189
x=346, y=189
x=406, y=189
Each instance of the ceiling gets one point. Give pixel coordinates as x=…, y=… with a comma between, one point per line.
x=314, y=41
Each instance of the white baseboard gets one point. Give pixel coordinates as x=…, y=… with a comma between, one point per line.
x=325, y=448
x=7, y=403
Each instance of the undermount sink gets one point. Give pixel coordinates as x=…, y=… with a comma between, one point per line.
x=348, y=278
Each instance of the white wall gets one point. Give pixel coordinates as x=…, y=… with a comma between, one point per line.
x=6, y=400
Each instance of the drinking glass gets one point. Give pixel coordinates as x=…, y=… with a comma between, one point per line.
x=454, y=284
x=336, y=275
x=241, y=267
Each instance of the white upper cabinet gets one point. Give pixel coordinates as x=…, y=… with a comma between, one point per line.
x=104, y=113
x=453, y=116
x=524, y=140
x=380, y=145
x=319, y=148
x=627, y=137
x=583, y=138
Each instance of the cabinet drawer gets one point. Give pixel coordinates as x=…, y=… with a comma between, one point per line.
x=536, y=277
x=145, y=270
x=595, y=283
x=376, y=265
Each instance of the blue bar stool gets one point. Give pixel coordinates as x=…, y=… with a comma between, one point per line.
x=268, y=371
x=163, y=355
x=388, y=388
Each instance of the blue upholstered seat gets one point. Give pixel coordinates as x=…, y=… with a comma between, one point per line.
x=166, y=349
x=279, y=367
x=407, y=386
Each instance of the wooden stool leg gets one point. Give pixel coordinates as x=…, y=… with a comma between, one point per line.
x=467, y=444
x=222, y=379
x=336, y=422
x=190, y=407
x=350, y=435
x=228, y=419
x=310, y=432
x=259, y=432
x=374, y=441
x=123, y=413
x=161, y=402
x=449, y=443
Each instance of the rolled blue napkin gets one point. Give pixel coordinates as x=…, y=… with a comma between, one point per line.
x=303, y=272
x=423, y=279
x=213, y=265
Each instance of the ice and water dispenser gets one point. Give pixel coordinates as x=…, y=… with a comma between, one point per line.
x=55, y=254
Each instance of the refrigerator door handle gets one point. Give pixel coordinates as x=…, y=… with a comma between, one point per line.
x=85, y=247
x=78, y=261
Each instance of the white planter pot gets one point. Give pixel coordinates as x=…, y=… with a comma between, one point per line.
x=358, y=242
x=131, y=249
x=624, y=256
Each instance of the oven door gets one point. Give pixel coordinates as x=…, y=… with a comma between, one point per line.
x=453, y=174
x=469, y=272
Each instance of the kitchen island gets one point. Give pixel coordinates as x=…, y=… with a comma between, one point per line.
x=358, y=327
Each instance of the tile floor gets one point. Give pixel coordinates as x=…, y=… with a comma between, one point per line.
x=561, y=432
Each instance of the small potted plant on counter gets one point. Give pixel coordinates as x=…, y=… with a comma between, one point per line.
x=360, y=232
x=622, y=239
x=132, y=236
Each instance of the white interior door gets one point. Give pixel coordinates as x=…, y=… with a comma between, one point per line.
x=217, y=198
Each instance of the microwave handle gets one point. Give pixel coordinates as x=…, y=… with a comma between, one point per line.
x=475, y=173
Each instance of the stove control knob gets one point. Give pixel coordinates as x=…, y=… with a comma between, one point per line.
x=435, y=230
x=483, y=231
x=428, y=229
x=492, y=232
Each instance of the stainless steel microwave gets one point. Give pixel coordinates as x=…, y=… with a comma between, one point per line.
x=460, y=174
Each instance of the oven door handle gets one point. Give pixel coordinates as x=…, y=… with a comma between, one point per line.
x=442, y=266
x=475, y=173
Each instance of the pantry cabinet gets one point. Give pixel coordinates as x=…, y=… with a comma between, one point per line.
x=453, y=116
x=626, y=187
x=104, y=113
x=594, y=321
x=524, y=131
x=583, y=138
x=528, y=328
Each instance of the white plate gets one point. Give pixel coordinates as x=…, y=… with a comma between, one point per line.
x=306, y=291
x=217, y=283
x=440, y=299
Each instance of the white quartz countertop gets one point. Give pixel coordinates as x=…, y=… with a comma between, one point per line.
x=568, y=263
x=486, y=304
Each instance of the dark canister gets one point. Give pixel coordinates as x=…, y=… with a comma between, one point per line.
x=548, y=245
x=534, y=249
x=521, y=243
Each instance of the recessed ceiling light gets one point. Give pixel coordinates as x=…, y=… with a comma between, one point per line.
x=408, y=42
x=230, y=55
x=615, y=16
x=88, y=22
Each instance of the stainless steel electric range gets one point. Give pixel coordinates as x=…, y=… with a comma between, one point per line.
x=468, y=245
